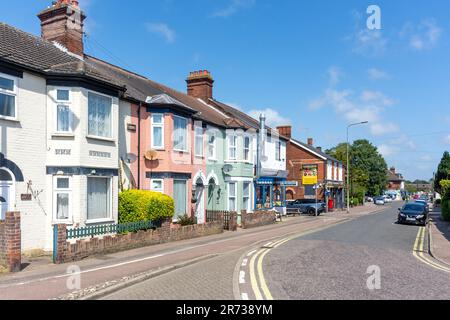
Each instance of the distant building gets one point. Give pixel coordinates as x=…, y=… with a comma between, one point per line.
x=395, y=180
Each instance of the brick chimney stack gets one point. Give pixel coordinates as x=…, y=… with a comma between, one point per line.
x=311, y=142
x=285, y=131
x=200, y=85
x=393, y=170
x=63, y=22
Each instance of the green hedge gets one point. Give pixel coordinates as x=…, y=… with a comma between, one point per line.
x=142, y=205
x=445, y=207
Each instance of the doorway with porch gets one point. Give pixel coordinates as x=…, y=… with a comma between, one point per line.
x=6, y=192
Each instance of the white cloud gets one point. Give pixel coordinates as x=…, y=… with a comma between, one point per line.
x=447, y=139
x=426, y=158
x=386, y=150
x=334, y=74
x=377, y=74
x=233, y=7
x=163, y=30
x=380, y=128
x=369, y=42
x=376, y=97
x=273, y=117
x=424, y=36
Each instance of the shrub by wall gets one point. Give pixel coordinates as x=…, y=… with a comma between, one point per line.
x=142, y=205
x=445, y=207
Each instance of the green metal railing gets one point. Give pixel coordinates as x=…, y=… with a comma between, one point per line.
x=97, y=230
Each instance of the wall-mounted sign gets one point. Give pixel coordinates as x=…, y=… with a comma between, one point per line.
x=310, y=174
x=131, y=127
x=25, y=197
x=289, y=183
x=99, y=154
x=63, y=152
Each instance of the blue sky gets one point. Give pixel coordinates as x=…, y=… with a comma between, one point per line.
x=313, y=64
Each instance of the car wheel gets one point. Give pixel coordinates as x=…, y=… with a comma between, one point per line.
x=312, y=212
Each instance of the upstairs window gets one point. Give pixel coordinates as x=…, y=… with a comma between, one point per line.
x=212, y=146
x=247, y=148
x=180, y=139
x=158, y=131
x=232, y=145
x=100, y=119
x=199, y=141
x=8, y=95
x=278, y=151
x=63, y=112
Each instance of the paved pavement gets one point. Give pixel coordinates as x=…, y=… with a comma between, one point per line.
x=46, y=281
x=440, y=237
x=333, y=263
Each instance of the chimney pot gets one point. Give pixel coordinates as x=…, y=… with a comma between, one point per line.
x=200, y=84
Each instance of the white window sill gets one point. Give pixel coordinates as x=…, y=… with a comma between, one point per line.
x=68, y=223
x=9, y=119
x=101, y=138
x=158, y=148
x=213, y=159
x=63, y=135
x=181, y=151
x=107, y=220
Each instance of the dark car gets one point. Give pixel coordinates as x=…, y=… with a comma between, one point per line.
x=306, y=206
x=423, y=203
x=413, y=213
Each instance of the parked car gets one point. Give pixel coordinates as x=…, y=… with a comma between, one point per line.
x=380, y=201
x=387, y=199
x=413, y=213
x=306, y=206
x=369, y=199
x=424, y=203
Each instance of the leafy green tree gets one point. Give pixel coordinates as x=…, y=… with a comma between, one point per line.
x=368, y=167
x=443, y=172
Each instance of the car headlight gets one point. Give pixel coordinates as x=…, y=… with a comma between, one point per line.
x=421, y=216
x=402, y=215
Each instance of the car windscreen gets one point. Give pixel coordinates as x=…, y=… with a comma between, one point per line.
x=413, y=207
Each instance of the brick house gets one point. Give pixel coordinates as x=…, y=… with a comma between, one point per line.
x=304, y=158
x=396, y=182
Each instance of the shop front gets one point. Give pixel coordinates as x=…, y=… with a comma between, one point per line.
x=270, y=193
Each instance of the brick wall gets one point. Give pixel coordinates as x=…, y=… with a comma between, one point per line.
x=257, y=219
x=10, y=242
x=67, y=251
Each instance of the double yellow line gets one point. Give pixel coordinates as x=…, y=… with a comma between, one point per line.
x=257, y=280
x=418, y=252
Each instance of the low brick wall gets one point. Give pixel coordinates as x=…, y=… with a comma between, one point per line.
x=257, y=219
x=10, y=242
x=67, y=252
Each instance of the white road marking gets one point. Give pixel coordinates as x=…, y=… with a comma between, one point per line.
x=244, y=262
x=267, y=244
x=242, y=277
x=245, y=296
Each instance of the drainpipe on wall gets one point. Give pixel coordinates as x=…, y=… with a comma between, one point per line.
x=261, y=144
x=139, y=146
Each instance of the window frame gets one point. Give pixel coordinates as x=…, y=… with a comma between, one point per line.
x=230, y=197
x=186, y=131
x=162, y=185
x=63, y=103
x=55, y=193
x=10, y=93
x=229, y=147
x=213, y=146
x=249, y=149
x=110, y=195
x=176, y=216
x=196, y=136
x=249, y=196
x=157, y=125
x=111, y=118
x=278, y=150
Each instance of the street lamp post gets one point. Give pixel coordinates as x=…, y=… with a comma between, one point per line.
x=348, y=163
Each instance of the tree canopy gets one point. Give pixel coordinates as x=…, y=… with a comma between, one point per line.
x=367, y=166
x=443, y=172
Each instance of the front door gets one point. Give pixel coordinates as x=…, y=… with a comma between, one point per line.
x=200, y=204
x=4, y=199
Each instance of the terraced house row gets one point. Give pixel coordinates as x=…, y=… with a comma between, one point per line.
x=76, y=130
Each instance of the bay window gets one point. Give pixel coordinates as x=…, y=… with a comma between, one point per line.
x=8, y=95
x=158, y=131
x=100, y=117
x=62, y=199
x=99, y=198
x=180, y=137
x=246, y=196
